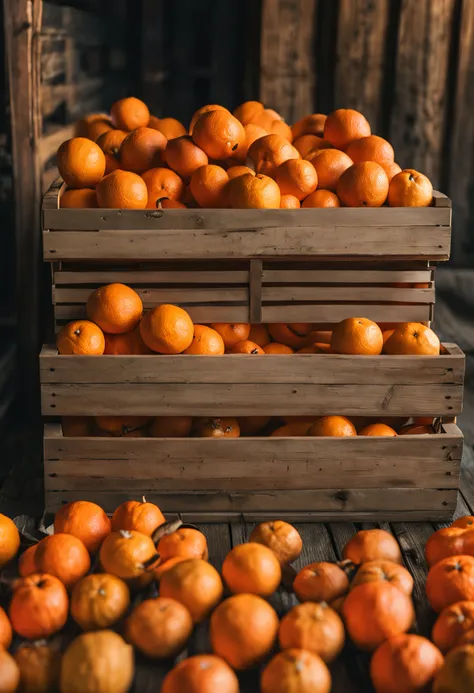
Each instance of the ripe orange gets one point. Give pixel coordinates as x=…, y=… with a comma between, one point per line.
x=200, y=111
x=81, y=337
x=120, y=426
x=125, y=344
x=84, y=520
x=9, y=672
x=279, y=127
x=162, y=183
x=6, y=634
x=254, y=192
x=320, y=582
x=276, y=348
x=232, y=333
x=247, y=347
x=310, y=124
x=465, y=522
x=206, y=341
x=259, y=334
x=295, y=428
x=289, y=202
x=377, y=429
x=201, y=674
x=309, y=143
x=184, y=157
x=345, y=125
x=137, y=516
x=81, y=162
x=410, y=189
x=251, y=568
x=412, y=338
x=372, y=545
x=159, y=628
x=391, y=169
x=171, y=427
x=184, y=542
x=332, y=426
x=321, y=198
x=219, y=134
x=248, y=111
x=411, y=430
x=252, y=425
x=243, y=630
x=235, y=171
x=297, y=177
x=110, y=143
x=9, y=540
x=449, y=581
x=252, y=132
x=122, y=190
x=363, y=185
x=116, y=308
x=209, y=185
x=169, y=127
x=357, y=336
x=142, y=149
x=453, y=623
x=129, y=114
x=330, y=164
x=194, y=583
x=371, y=148
x=63, y=556
x=164, y=203
x=78, y=198
x=281, y=537
x=167, y=329
x=295, y=671
x=92, y=126
x=374, y=571
x=267, y=153
x=313, y=627
x=294, y=334
x=405, y=664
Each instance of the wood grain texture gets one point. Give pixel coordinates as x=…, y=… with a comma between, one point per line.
x=287, y=70
x=419, y=114
x=360, y=68
x=335, y=312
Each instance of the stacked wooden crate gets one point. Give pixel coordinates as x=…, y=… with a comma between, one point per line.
x=309, y=265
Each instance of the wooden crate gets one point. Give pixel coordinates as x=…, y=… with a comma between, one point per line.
x=402, y=478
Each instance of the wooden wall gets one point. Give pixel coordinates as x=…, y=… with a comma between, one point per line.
x=408, y=65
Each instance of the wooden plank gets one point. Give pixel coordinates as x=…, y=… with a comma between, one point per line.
x=338, y=276
x=462, y=166
x=431, y=242
x=441, y=200
x=350, y=293
x=334, y=312
x=419, y=114
x=255, y=308
x=152, y=296
x=105, y=276
x=22, y=23
x=304, y=369
x=199, y=314
x=360, y=67
x=287, y=74
x=49, y=144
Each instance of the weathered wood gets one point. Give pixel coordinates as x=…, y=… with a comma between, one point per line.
x=105, y=276
x=255, y=290
x=360, y=67
x=199, y=314
x=461, y=166
x=419, y=114
x=340, y=276
x=349, y=293
x=287, y=74
x=152, y=296
x=335, y=312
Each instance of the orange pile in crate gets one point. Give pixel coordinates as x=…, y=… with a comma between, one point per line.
x=365, y=599
x=250, y=159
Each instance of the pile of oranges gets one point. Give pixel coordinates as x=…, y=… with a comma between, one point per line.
x=117, y=325
x=248, y=159
x=366, y=599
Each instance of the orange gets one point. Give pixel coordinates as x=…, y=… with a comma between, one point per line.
x=122, y=190
x=247, y=347
x=209, y=185
x=281, y=537
x=405, y=664
x=248, y=111
x=259, y=334
x=329, y=165
x=316, y=348
x=322, y=198
x=81, y=337
x=292, y=334
x=201, y=674
x=200, y=111
x=110, y=143
x=310, y=124
x=186, y=542
x=457, y=672
x=363, y=185
x=26, y=563
x=6, y=634
x=254, y=192
x=216, y=428
x=142, y=149
x=235, y=171
x=252, y=132
x=125, y=344
x=453, y=623
x=63, y=556
x=372, y=545
x=39, y=605
x=9, y=540
x=412, y=338
x=320, y=582
x=119, y=426
x=116, y=308
x=167, y=329
x=99, y=600
x=279, y=127
x=295, y=671
x=371, y=148
x=332, y=426
x=129, y=555
x=309, y=143
x=194, y=583
x=276, y=348
x=357, y=336
x=449, y=581
x=410, y=189
x=84, y=520
x=161, y=569
x=345, y=125
x=184, y=157
x=252, y=425
x=377, y=429
x=465, y=522
x=232, y=333
x=251, y=568
x=162, y=183
x=164, y=203
x=206, y=341
x=295, y=428
x=92, y=126
x=268, y=118
x=376, y=611
x=391, y=169
x=78, y=198
x=169, y=127
x=243, y=630
x=313, y=627
x=268, y=152
x=289, y=202
x=9, y=673
x=296, y=177
x=129, y=114
x=171, y=427
x=219, y=134
x=159, y=628
x=374, y=571
x=137, y=516
x=411, y=430
x=81, y=162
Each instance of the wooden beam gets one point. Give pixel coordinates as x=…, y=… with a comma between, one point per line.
x=22, y=25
